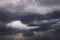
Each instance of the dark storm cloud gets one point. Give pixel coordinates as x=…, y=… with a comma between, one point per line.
x=54, y=15
x=28, y=18
x=29, y=12
x=4, y=30
x=6, y=17
x=49, y=2
x=45, y=25
x=31, y=17
x=57, y=25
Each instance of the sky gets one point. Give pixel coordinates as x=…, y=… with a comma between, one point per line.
x=29, y=16
x=34, y=6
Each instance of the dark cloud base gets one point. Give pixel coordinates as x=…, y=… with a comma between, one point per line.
x=6, y=17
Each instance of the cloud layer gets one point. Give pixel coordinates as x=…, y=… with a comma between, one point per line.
x=25, y=16
x=32, y=6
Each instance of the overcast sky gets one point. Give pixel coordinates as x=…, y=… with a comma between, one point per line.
x=28, y=6
x=34, y=6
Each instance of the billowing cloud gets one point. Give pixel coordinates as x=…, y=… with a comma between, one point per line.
x=26, y=6
x=31, y=8
x=38, y=9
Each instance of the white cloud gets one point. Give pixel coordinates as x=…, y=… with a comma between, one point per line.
x=38, y=9
x=27, y=6
x=19, y=25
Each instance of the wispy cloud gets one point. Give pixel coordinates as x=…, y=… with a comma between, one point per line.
x=20, y=25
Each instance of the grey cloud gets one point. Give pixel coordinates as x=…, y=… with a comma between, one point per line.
x=31, y=11
x=38, y=17
x=33, y=6
x=4, y=30
x=45, y=25
x=49, y=2
x=24, y=6
x=56, y=25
